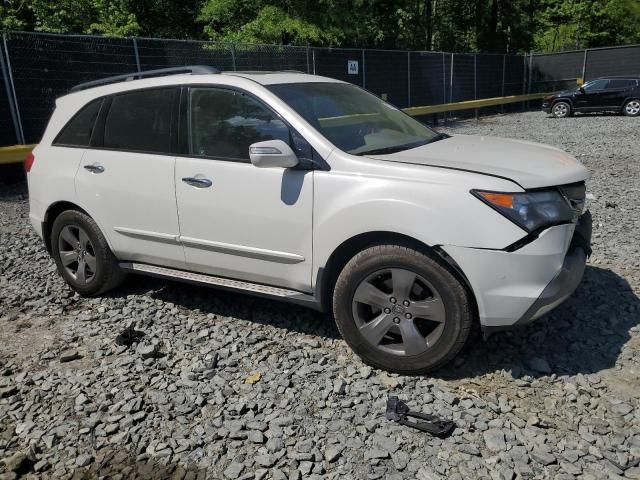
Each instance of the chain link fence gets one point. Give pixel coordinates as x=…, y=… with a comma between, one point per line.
x=37, y=68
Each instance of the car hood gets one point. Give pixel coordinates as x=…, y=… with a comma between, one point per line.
x=561, y=93
x=531, y=165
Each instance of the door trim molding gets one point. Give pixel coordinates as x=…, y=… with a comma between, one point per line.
x=242, y=250
x=145, y=234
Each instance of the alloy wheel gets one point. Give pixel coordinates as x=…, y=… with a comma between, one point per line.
x=399, y=311
x=632, y=107
x=77, y=253
x=561, y=110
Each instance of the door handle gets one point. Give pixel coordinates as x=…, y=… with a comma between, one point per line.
x=197, y=182
x=95, y=168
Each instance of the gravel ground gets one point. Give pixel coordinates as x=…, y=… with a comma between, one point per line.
x=220, y=385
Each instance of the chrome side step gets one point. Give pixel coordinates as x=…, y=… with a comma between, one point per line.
x=224, y=283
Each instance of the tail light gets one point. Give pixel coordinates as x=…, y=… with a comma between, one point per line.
x=28, y=162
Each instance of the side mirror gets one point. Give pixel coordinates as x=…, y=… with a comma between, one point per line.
x=581, y=89
x=272, y=153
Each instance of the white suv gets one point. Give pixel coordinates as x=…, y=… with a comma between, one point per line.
x=314, y=191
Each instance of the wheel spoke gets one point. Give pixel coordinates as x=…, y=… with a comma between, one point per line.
x=413, y=341
x=376, y=329
x=67, y=258
x=403, y=281
x=68, y=236
x=81, y=274
x=84, y=238
x=432, y=309
x=368, y=294
x=91, y=262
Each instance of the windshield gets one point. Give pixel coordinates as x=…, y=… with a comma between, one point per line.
x=354, y=120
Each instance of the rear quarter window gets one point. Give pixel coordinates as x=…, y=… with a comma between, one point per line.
x=77, y=132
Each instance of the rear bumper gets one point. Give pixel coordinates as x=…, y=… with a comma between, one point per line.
x=515, y=288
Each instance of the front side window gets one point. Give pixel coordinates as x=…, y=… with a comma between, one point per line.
x=224, y=123
x=77, y=133
x=354, y=120
x=595, y=85
x=141, y=121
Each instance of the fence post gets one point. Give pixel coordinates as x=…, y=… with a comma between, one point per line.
x=504, y=69
x=364, y=74
x=233, y=56
x=313, y=58
x=524, y=78
x=530, y=82
x=135, y=52
x=308, y=68
x=475, y=82
x=451, y=84
x=408, y=79
x=584, y=66
x=11, y=90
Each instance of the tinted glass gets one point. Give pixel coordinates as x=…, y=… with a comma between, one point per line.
x=621, y=83
x=141, y=121
x=354, y=120
x=224, y=123
x=77, y=132
x=595, y=85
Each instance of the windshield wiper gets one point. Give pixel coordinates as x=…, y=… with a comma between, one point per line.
x=439, y=136
x=401, y=148
x=393, y=149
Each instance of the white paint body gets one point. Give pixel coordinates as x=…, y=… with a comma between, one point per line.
x=280, y=226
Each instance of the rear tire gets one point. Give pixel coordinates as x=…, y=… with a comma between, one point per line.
x=401, y=310
x=82, y=254
x=561, y=109
x=632, y=108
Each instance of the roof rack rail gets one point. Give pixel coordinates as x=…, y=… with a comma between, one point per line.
x=193, y=69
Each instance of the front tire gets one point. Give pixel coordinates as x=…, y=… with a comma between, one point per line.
x=401, y=310
x=561, y=109
x=82, y=254
x=631, y=108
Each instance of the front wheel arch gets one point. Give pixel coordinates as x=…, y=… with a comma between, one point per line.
x=327, y=275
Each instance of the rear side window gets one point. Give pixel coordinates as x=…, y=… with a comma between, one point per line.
x=621, y=83
x=77, y=133
x=141, y=121
x=223, y=123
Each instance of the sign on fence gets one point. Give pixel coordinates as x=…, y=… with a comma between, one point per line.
x=352, y=67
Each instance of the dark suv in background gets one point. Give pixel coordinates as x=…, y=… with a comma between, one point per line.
x=614, y=94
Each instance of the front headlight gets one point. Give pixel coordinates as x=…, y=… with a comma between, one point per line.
x=529, y=210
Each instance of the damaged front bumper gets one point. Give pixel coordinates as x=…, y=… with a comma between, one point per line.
x=515, y=288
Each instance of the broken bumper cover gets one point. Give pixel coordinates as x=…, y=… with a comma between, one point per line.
x=514, y=288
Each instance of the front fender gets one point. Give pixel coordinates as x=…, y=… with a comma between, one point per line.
x=435, y=210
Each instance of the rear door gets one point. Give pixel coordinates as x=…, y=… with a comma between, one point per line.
x=238, y=220
x=618, y=90
x=126, y=177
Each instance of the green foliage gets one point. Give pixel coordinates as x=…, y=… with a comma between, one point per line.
x=447, y=25
x=563, y=25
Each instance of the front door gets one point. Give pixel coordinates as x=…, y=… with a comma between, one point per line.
x=238, y=220
x=126, y=177
x=593, y=96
